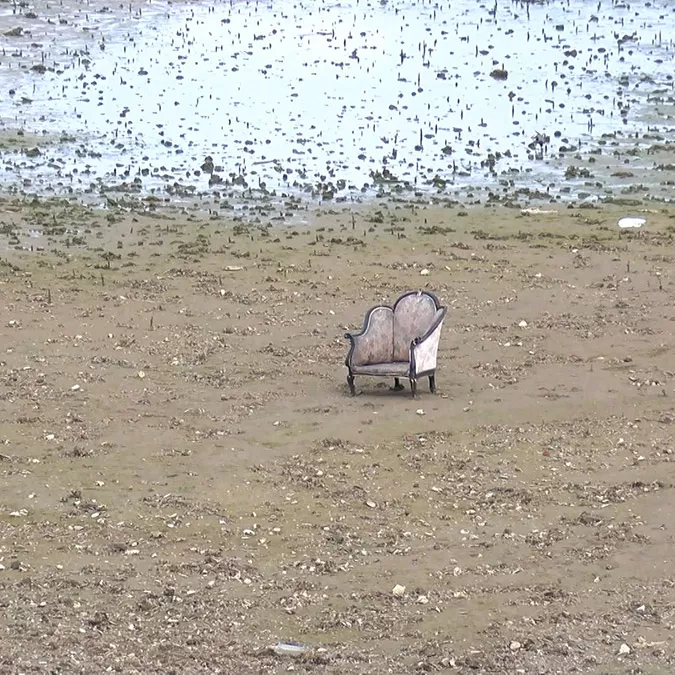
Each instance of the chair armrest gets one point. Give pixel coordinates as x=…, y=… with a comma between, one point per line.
x=424, y=349
x=353, y=337
x=374, y=342
x=359, y=348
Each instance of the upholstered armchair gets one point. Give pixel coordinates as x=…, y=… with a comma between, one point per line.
x=400, y=341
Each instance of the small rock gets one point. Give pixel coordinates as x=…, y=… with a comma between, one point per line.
x=422, y=600
x=522, y=324
x=398, y=591
x=425, y=272
x=141, y=374
x=624, y=649
x=371, y=504
x=514, y=646
x=419, y=411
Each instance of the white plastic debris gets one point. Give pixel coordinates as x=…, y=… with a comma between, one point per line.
x=398, y=591
x=631, y=222
x=288, y=649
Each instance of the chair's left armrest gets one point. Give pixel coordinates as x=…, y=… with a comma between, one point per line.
x=424, y=349
x=373, y=343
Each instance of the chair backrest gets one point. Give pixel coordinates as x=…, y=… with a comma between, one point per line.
x=413, y=314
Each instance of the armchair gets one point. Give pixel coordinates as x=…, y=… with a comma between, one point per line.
x=398, y=341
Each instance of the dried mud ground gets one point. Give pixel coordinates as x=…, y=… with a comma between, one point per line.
x=185, y=480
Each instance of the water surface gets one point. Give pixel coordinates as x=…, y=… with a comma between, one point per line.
x=329, y=99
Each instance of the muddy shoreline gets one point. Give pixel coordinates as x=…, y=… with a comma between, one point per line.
x=186, y=482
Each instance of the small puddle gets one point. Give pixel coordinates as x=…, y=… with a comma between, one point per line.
x=244, y=103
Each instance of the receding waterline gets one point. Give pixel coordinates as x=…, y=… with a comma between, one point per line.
x=327, y=99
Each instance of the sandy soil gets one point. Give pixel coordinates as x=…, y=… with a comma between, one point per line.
x=185, y=481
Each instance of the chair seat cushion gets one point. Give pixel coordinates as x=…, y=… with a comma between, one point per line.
x=392, y=369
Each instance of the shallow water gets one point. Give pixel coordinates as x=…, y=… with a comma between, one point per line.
x=332, y=99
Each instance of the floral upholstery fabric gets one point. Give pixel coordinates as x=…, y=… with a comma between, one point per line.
x=393, y=369
x=383, y=347
x=375, y=344
x=425, y=352
x=413, y=315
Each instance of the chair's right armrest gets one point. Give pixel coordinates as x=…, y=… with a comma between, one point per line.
x=425, y=347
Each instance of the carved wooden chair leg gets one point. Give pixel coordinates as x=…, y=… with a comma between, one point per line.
x=432, y=383
x=350, y=382
x=413, y=387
